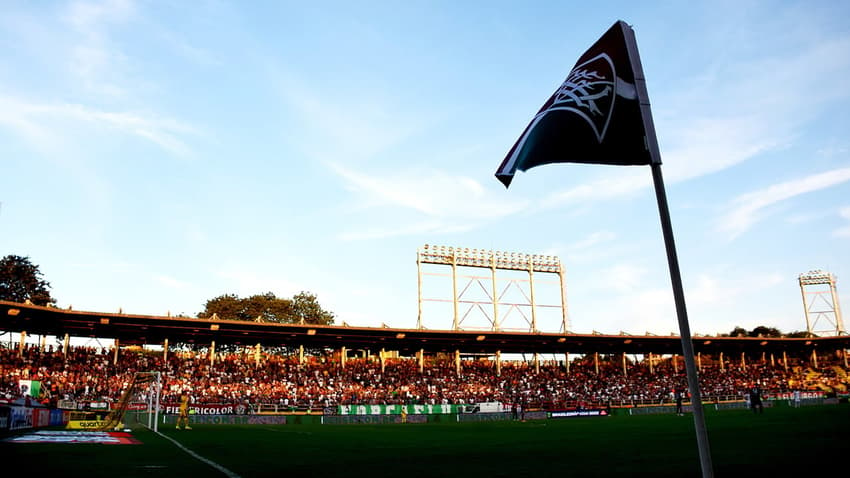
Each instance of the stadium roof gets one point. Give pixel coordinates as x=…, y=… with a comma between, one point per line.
x=153, y=330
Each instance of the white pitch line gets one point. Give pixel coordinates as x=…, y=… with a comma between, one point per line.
x=213, y=464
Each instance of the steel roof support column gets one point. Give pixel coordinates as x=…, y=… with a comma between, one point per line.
x=455, y=324
x=419, y=288
x=531, y=291
x=625, y=372
x=565, y=323
x=495, y=293
x=806, y=309
x=839, y=322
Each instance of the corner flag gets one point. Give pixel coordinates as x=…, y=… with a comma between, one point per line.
x=599, y=114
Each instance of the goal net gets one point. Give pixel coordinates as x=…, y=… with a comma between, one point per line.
x=138, y=405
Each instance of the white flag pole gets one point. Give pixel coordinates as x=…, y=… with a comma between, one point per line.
x=684, y=327
x=672, y=259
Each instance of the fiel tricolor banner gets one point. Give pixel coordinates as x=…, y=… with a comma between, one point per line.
x=31, y=388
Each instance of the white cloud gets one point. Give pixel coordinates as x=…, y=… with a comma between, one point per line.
x=624, y=277
x=634, y=304
x=93, y=57
x=171, y=282
x=621, y=183
x=246, y=283
x=592, y=240
x=197, y=55
x=843, y=231
x=424, y=227
x=749, y=208
x=339, y=126
x=743, y=108
x=48, y=123
x=86, y=16
x=708, y=145
x=832, y=151
x=444, y=202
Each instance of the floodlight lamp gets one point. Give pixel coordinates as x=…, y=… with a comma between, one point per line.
x=104, y=321
x=213, y=326
x=480, y=338
x=400, y=335
x=311, y=331
x=13, y=312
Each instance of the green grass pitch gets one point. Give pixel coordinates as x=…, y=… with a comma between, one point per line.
x=782, y=442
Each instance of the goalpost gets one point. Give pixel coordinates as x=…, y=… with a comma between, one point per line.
x=138, y=405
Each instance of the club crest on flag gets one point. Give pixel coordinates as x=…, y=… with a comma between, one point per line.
x=589, y=92
x=598, y=115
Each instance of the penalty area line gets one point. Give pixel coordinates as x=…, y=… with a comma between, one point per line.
x=191, y=453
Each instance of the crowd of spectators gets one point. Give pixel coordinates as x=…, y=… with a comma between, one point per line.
x=94, y=374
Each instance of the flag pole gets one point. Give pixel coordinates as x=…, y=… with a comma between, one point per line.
x=684, y=327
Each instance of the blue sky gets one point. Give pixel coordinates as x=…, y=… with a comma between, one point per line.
x=158, y=154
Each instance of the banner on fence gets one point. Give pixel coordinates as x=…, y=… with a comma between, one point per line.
x=231, y=420
x=595, y=412
x=20, y=418
x=207, y=409
x=396, y=409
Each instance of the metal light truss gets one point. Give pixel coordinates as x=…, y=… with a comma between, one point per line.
x=816, y=277
x=464, y=256
x=495, y=261
x=821, y=305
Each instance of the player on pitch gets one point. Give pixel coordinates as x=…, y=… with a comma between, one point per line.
x=183, y=412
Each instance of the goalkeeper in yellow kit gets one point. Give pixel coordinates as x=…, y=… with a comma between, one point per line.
x=183, y=412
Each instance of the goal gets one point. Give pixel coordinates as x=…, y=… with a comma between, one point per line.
x=138, y=405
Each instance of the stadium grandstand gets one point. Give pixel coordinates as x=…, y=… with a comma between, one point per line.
x=244, y=367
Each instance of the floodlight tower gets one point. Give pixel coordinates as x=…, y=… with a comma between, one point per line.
x=495, y=261
x=823, y=306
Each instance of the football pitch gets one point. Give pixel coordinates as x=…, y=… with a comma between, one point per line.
x=781, y=442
